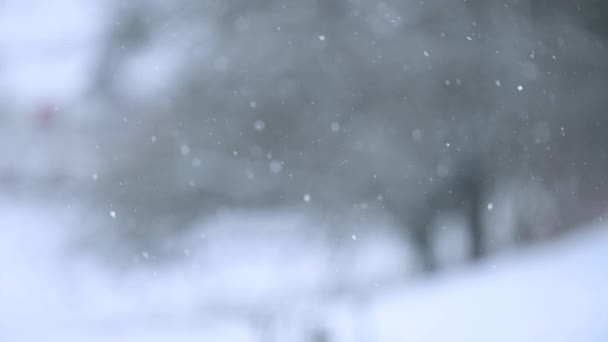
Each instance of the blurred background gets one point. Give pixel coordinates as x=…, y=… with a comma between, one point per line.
x=321, y=170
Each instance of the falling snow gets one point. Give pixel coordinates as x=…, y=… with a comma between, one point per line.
x=259, y=125
x=335, y=127
x=184, y=150
x=417, y=135
x=275, y=166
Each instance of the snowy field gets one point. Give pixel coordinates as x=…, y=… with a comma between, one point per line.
x=241, y=276
x=260, y=277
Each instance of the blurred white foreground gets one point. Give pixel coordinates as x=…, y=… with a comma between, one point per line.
x=276, y=281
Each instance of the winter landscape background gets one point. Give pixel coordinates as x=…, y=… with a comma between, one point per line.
x=338, y=170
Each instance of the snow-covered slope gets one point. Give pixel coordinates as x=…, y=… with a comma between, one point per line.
x=557, y=292
x=256, y=287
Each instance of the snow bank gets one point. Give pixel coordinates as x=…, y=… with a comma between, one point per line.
x=264, y=277
x=553, y=293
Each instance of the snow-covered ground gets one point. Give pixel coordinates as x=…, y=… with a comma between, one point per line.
x=557, y=292
x=263, y=277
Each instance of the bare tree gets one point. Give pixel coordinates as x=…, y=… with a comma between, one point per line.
x=421, y=108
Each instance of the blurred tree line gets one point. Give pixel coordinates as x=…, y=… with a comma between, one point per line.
x=414, y=108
